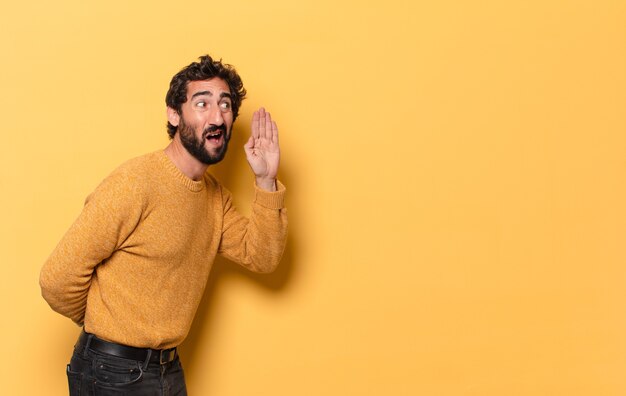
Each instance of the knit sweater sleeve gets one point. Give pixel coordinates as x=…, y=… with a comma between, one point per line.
x=110, y=214
x=256, y=243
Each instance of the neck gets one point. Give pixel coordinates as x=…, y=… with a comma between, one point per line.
x=185, y=162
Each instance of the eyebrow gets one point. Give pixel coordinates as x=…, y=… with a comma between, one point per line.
x=209, y=93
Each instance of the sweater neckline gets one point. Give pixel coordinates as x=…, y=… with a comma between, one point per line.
x=191, y=184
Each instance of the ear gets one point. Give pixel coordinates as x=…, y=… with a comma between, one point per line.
x=172, y=116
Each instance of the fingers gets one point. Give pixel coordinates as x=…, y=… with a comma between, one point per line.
x=274, y=132
x=262, y=123
x=268, y=126
x=263, y=127
x=255, y=124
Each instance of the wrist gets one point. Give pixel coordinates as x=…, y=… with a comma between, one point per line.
x=266, y=184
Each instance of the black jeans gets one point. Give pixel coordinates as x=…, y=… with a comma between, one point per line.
x=95, y=373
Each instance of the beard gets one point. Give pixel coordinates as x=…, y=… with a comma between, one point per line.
x=196, y=147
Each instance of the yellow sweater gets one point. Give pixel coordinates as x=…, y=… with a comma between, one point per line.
x=134, y=265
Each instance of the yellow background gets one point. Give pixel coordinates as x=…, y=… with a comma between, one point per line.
x=456, y=175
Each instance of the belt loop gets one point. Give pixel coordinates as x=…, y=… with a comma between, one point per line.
x=89, y=338
x=145, y=364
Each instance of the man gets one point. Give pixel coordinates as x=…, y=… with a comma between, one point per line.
x=134, y=265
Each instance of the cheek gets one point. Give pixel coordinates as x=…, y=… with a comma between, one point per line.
x=228, y=120
x=191, y=124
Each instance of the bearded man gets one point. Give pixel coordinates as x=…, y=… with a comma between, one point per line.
x=132, y=268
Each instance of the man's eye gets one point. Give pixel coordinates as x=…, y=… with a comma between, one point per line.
x=201, y=104
x=225, y=106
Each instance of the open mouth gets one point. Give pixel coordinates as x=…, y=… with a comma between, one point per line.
x=214, y=136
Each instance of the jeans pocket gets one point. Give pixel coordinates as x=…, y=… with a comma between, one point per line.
x=116, y=371
x=110, y=390
x=74, y=380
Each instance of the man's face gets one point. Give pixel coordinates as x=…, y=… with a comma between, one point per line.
x=206, y=120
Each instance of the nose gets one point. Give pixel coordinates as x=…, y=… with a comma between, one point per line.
x=216, y=117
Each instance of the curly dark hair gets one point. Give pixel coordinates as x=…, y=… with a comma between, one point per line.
x=205, y=69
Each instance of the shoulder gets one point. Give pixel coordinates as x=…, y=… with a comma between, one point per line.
x=131, y=178
x=139, y=170
x=140, y=166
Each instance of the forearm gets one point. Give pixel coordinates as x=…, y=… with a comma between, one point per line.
x=68, y=304
x=258, y=243
x=64, y=289
x=267, y=233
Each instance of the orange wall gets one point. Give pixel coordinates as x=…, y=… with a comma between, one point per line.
x=456, y=175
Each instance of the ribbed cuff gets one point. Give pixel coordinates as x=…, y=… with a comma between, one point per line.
x=270, y=199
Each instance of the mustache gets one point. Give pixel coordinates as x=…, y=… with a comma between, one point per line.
x=214, y=128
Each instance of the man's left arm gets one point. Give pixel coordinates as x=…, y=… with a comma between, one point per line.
x=258, y=243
